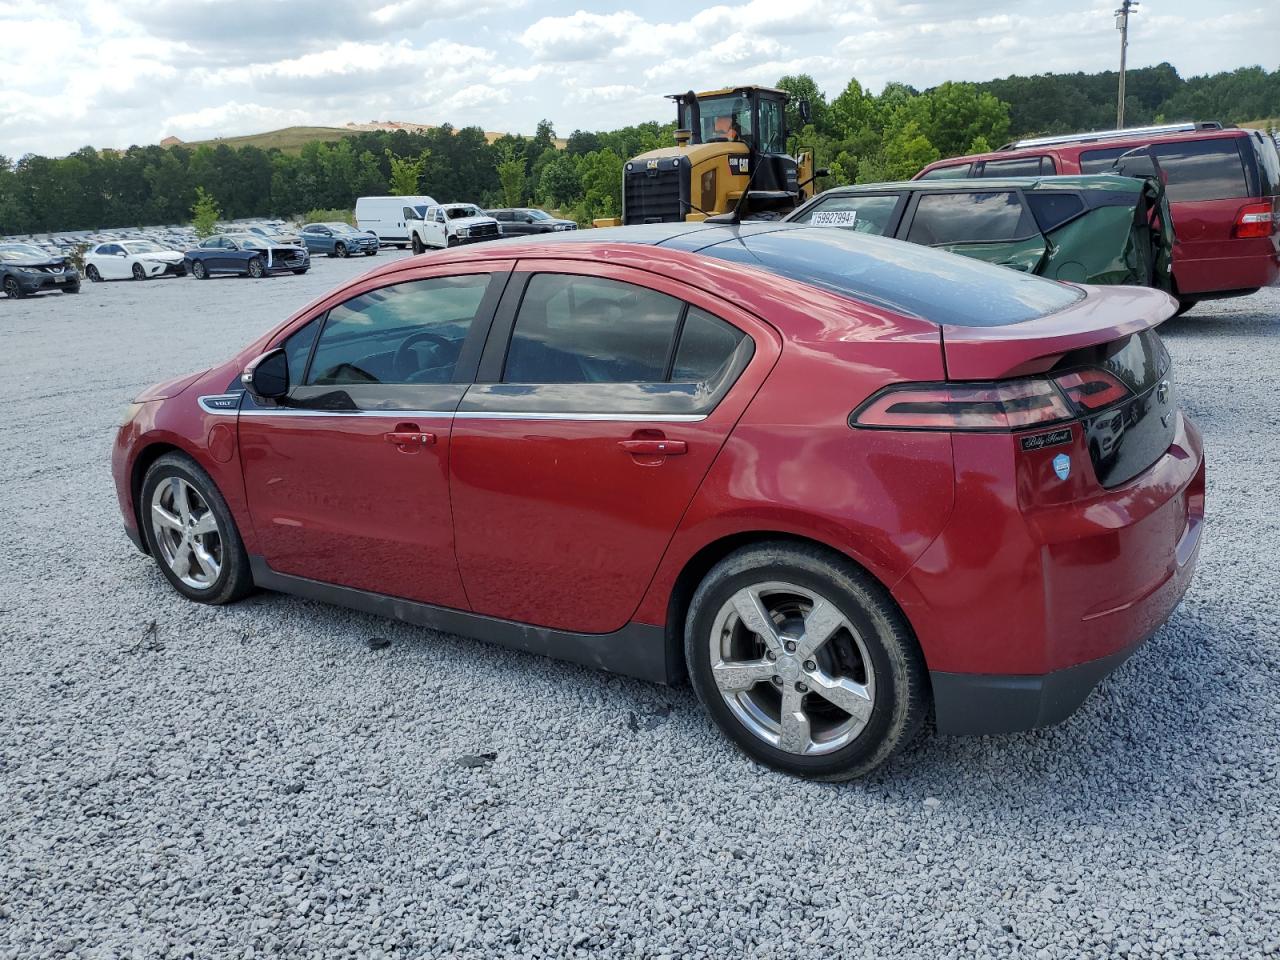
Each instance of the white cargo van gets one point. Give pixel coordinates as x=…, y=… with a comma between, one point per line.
x=390, y=219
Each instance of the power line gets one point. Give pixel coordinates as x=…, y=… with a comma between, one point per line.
x=1122, y=24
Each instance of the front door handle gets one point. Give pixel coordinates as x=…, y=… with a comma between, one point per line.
x=410, y=438
x=654, y=448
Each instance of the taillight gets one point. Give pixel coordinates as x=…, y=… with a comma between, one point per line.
x=1008, y=405
x=1091, y=389
x=1003, y=405
x=1255, y=221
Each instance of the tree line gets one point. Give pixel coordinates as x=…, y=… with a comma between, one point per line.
x=858, y=136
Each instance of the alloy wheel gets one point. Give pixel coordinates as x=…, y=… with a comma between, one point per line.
x=186, y=531
x=11, y=288
x=138, y=272
x=792, y=668
x=92, y=273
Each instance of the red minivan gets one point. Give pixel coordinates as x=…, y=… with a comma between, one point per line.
x=1223, y=185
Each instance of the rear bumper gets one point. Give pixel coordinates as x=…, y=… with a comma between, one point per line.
x=1022, y=607
x=1228, y=276
x=977, y=704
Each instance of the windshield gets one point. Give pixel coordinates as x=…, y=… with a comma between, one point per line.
x=252, y=243
x=143, y=246
x=538, y=214
x=463, y=210
x=723, y=118
x=22, y=251
x=341, y=228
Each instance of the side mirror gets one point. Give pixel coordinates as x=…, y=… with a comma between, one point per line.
x=821, y=172
x=528, y=218
x=267, y=377
x=806, y=116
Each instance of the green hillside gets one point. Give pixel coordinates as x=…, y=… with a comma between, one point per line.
x=287, y=140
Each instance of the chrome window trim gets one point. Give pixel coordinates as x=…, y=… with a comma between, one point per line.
x=469, y=415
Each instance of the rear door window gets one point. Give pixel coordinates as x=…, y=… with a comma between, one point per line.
x=573, y=329
x=863, y=213
x=706, y=349
x=1052, y=210
x=1268, y=163
x=1019, y=167
x=985, y=217
x=957, y=172
x=1099, y=161
x=1203, y=169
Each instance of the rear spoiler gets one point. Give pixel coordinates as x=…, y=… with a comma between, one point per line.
x=1103, y=314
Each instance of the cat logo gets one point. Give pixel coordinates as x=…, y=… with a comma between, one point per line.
x=652, y=164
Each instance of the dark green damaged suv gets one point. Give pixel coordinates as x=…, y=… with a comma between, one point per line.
x=1100, y=229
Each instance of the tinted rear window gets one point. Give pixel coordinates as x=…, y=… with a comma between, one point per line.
x=958, y=172
x=1202, y=169
x=1099, y=161
x=1020, y=167
x=931, y=284
x=969, y=218
x=1052, y=210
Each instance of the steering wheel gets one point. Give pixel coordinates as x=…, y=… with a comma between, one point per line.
x=401, y=361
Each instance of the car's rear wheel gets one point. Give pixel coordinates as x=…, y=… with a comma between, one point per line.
x=138, y=272
x=12, y=289
x=804, y=661
x=92, y=273
x=256, y=269
x=340, y=249
x=199, y=271
x=191, y=533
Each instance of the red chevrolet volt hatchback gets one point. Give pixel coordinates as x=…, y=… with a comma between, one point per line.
x=842, y=482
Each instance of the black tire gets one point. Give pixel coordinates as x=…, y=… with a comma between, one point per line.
x=92, y=273
x=1185, y=304
x=138, y=272
x=900, y=701
x=402, y=246
x=371, y=252
x=301, y=271
x=71, y=288
x=255, y=268
x=418, y=246
x=451, y=242
x=13, y=289
x=235, y=580
x=180, y=271
x=199, y=270
x=340, y=249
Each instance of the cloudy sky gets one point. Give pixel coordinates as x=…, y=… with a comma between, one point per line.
x=116, y=73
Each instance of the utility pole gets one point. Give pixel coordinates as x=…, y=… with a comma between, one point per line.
x=1122, y=24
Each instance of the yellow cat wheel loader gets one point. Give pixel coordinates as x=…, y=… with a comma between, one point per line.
x=729, y=143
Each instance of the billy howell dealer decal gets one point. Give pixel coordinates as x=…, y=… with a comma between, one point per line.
x=1052, y=439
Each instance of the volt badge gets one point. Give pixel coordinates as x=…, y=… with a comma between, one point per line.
x=1062, y=466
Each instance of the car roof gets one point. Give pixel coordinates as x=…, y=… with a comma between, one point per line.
x=1108, y=182
x=1134, y=143
x=907, y=279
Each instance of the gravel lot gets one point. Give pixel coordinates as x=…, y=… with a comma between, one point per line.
x=258, y=780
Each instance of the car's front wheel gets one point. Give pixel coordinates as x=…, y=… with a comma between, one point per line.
x=191, y=533
x=199, y=270
x=12, y=289
x=418, y=246
x=301, y=270
x=92, y=273
x=340, y=249
x=256, y=269
x=139, y=272
x=804, y=661
x=371, y=252
x=71, y=288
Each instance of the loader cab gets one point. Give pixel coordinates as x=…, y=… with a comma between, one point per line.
x=751, y=115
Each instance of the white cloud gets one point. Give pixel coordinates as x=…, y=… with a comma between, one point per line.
x=131, y=71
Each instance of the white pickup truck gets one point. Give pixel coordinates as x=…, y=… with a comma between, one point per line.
x=449, y=224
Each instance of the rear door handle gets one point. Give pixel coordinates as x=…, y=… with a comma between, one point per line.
x=405, y=438
x=654, y=448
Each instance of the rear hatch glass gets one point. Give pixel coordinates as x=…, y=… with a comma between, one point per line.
x=1127, y=438
x=906, y=278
